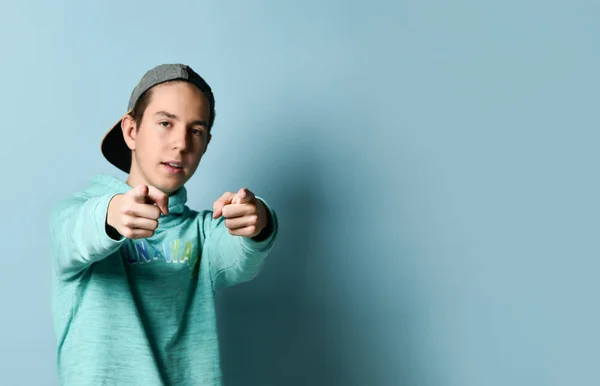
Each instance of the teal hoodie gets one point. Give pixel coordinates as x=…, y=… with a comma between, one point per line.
x=142, y=312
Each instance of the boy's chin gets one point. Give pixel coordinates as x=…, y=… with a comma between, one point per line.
x=169, y=187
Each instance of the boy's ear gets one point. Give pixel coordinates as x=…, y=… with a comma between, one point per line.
x=207, y=141
x=128, y=127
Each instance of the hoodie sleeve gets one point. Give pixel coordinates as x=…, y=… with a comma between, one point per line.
x=78, y=233
x=235, y=259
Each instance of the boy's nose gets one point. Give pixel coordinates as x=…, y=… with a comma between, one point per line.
x=180, y=140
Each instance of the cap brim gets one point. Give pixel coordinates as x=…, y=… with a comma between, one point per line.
x=115, y=149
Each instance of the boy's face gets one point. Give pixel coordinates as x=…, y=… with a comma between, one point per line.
x=171, y=138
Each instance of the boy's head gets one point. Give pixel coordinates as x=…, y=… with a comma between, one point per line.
x=166, y=130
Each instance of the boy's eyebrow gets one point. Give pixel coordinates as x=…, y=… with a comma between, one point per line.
x=176, y=118
x=168, y=115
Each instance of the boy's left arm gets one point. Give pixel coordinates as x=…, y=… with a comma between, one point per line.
x=240, y=235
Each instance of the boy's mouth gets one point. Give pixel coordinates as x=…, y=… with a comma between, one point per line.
x=173, y=166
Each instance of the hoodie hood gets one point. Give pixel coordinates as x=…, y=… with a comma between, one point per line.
x=105, y=184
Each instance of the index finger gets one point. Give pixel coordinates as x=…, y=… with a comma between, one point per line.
x=159, y=198
x=139, y=194
x=245, y=196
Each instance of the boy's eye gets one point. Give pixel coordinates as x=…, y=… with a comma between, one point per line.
x=164, y=124
x=197, y=132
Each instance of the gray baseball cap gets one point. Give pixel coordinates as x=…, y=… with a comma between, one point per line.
x=113, y=144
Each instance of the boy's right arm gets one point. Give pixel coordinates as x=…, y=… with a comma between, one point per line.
x=79, y=233
x=81, y=227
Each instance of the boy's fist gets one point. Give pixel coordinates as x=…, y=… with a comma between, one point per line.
x=245, y=215
x=135, y=214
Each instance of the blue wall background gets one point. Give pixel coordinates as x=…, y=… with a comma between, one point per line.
x=434, y=165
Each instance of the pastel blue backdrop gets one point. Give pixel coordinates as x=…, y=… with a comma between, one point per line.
x=434, y=165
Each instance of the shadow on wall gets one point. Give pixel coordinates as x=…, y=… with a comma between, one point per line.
x=332, y=306
x=272, y=332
